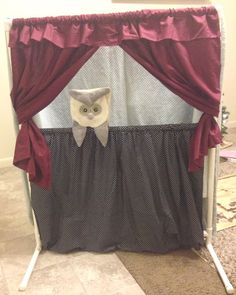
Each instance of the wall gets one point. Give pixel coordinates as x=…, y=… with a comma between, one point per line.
x=25, y=8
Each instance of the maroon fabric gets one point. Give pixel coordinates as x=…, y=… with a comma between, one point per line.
x=111, y=29
x=40, y=72
x=207, y=135
x=31, y=154
x=192, y=71
x=189, y=69
x=179, y=47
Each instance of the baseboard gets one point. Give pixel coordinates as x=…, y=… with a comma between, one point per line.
x=231, y=124
x=6, y=162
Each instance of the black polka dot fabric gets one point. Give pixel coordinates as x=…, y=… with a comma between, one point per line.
x=134, y=194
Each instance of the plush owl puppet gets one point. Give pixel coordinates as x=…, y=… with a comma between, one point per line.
x=90, y=108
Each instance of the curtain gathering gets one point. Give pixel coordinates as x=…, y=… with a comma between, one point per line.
x=127, y=196
x=180, y=47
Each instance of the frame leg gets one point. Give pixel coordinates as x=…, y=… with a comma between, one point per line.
x=25, y=280
x=211, y=170
x=229, y=288
x=24, y=283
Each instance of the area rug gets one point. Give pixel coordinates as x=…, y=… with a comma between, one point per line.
x=179, y=272
x=226, y=203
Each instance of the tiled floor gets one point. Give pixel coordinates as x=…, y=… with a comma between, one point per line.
x=78, y=273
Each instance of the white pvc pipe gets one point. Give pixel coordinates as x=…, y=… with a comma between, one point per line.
x=211, y=171
x=15, y=123
x=7, y=24
x=30, y=268
x=210, y=193
x=24, y=283
x=229, y=288
x=36, y=233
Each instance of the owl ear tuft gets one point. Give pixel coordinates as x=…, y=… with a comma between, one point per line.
x=80, y=95
x=89, y=96
x=96, y=93
x=75, y=93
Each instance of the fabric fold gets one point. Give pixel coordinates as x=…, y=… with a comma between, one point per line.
x=207, y=135
x=32, y=154
x=125, y=196
x=111, y=29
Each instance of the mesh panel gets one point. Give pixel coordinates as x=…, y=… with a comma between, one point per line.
x=138, y=98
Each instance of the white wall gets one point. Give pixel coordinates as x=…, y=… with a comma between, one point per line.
x=26, y=8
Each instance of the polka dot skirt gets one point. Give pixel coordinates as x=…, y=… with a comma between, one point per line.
x=134, y=194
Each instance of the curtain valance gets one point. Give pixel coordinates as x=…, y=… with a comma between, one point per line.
x=181, y=48
x=111, y=29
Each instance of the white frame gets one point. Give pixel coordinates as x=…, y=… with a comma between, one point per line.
x=211, y=173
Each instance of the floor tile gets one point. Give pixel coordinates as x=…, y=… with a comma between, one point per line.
x=13, y=207
x=58, y=279
x=3, y=283
x=101, y=273
x=131, y=290
x=16, y=255
x=14, y=226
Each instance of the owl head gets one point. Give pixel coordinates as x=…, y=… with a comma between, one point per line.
x=90, y=107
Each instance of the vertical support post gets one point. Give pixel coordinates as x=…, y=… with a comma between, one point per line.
x=26, y=188
x=211, y=171
x=211, y=179
x=16, y=125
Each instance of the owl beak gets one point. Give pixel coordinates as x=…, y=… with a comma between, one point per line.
x=90, y=116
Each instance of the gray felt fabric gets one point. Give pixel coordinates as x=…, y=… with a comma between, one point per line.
x=135, y=194
x=89, y=97
x=79, y=133
x=102, y=133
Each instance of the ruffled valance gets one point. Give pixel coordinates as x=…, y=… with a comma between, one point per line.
x=111, y=29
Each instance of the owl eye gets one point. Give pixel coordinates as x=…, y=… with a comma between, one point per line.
x=96, y=108
x=83, y=109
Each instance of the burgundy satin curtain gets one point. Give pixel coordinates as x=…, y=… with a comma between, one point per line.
x=191, y=70
x=181, y=48
x=40, y=72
